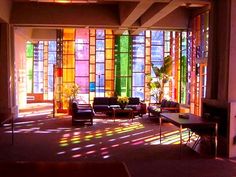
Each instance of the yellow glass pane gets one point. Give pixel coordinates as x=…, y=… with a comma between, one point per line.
x=109, y=64
x=68, y=61
x=109, y=74
x=109, y=54
x=92, y=59
x=69, y=34
x=92, y=50
x=109, y=43
x=68, y=75
x=92, y=77
x=109, y=93
x=92, y=41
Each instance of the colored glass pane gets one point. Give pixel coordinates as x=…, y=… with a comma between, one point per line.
x=69, y=34
x=100, y=45
x=138, y=65
x=29, y=50
x=109, y=74
x=68, y=75
x=92, y=50
x=68, y=61
x=109, y=44
x=109, y=64
x=100, y=57
x=83, y=83
x=92, y=77
x=109, y=85
x=157, y=37
x=109, y=54
x=82, y=68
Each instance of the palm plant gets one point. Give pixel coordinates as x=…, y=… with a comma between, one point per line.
x=162, y=76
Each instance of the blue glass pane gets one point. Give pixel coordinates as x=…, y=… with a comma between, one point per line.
x=52, y=57
x=157, y=37
x=100, y=34
x=138, y=79
x=138, y=65
x=138, y=92
x=100, y=80
x=52, y=46
x=40, y=55
x=92, y=86
x=138, y=39
x=50, y=69
x=138, y=50
x=100, y=56
x=100, y=45
x=157, y=53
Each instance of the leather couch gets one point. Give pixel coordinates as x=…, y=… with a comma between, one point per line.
x=105, y=104
x=165, y=106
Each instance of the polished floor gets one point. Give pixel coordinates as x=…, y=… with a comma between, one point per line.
x=43, y=138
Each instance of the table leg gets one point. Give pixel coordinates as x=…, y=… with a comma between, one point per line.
x=114, y=114
x=216, y=136
x=180, y=136
x=160, y=128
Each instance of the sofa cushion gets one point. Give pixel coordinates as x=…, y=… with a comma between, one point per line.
x=163, y=102
x=167, y=104
x=101, y=101
x=133, y=101
x=113, y=101
x=173, y=104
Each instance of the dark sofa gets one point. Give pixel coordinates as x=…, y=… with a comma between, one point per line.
x=165, y=106
x=105, y=104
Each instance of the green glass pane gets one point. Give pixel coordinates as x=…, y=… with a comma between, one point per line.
x=29, y=50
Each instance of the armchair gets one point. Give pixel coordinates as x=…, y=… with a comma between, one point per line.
x=82, y=113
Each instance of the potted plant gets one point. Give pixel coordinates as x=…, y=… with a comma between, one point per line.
x=70, y=92
x=123, y=101
x=162, y=76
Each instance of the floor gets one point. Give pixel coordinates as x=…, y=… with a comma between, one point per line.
x=43, y=138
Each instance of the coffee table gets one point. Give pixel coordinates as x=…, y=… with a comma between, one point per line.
x=130, y=112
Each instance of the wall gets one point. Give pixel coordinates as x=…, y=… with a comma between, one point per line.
x=20, y=60
x=5, y=10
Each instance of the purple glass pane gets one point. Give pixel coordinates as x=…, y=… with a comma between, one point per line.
x=83, y=83
x=82, y=68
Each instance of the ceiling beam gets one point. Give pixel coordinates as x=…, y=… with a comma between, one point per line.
x=134, y=14
x=170, y=7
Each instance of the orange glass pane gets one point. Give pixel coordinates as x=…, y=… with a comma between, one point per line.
x=109, y=74
x=92, y=50
x=109, y=85
x=148, y=51
x=109, y=54
x=68, y=47
x=68, y=61
x=147, y=69
x=109, y=64
x=68, y=75
x=92, y=59
x=92, y=41
x=148, y=42
x=92, y=32
x=109, y=31
x=92, y=69
x=69, y=34
x=148, y=59
x=109, y=93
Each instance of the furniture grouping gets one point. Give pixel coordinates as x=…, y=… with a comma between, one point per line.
x=84, y=113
